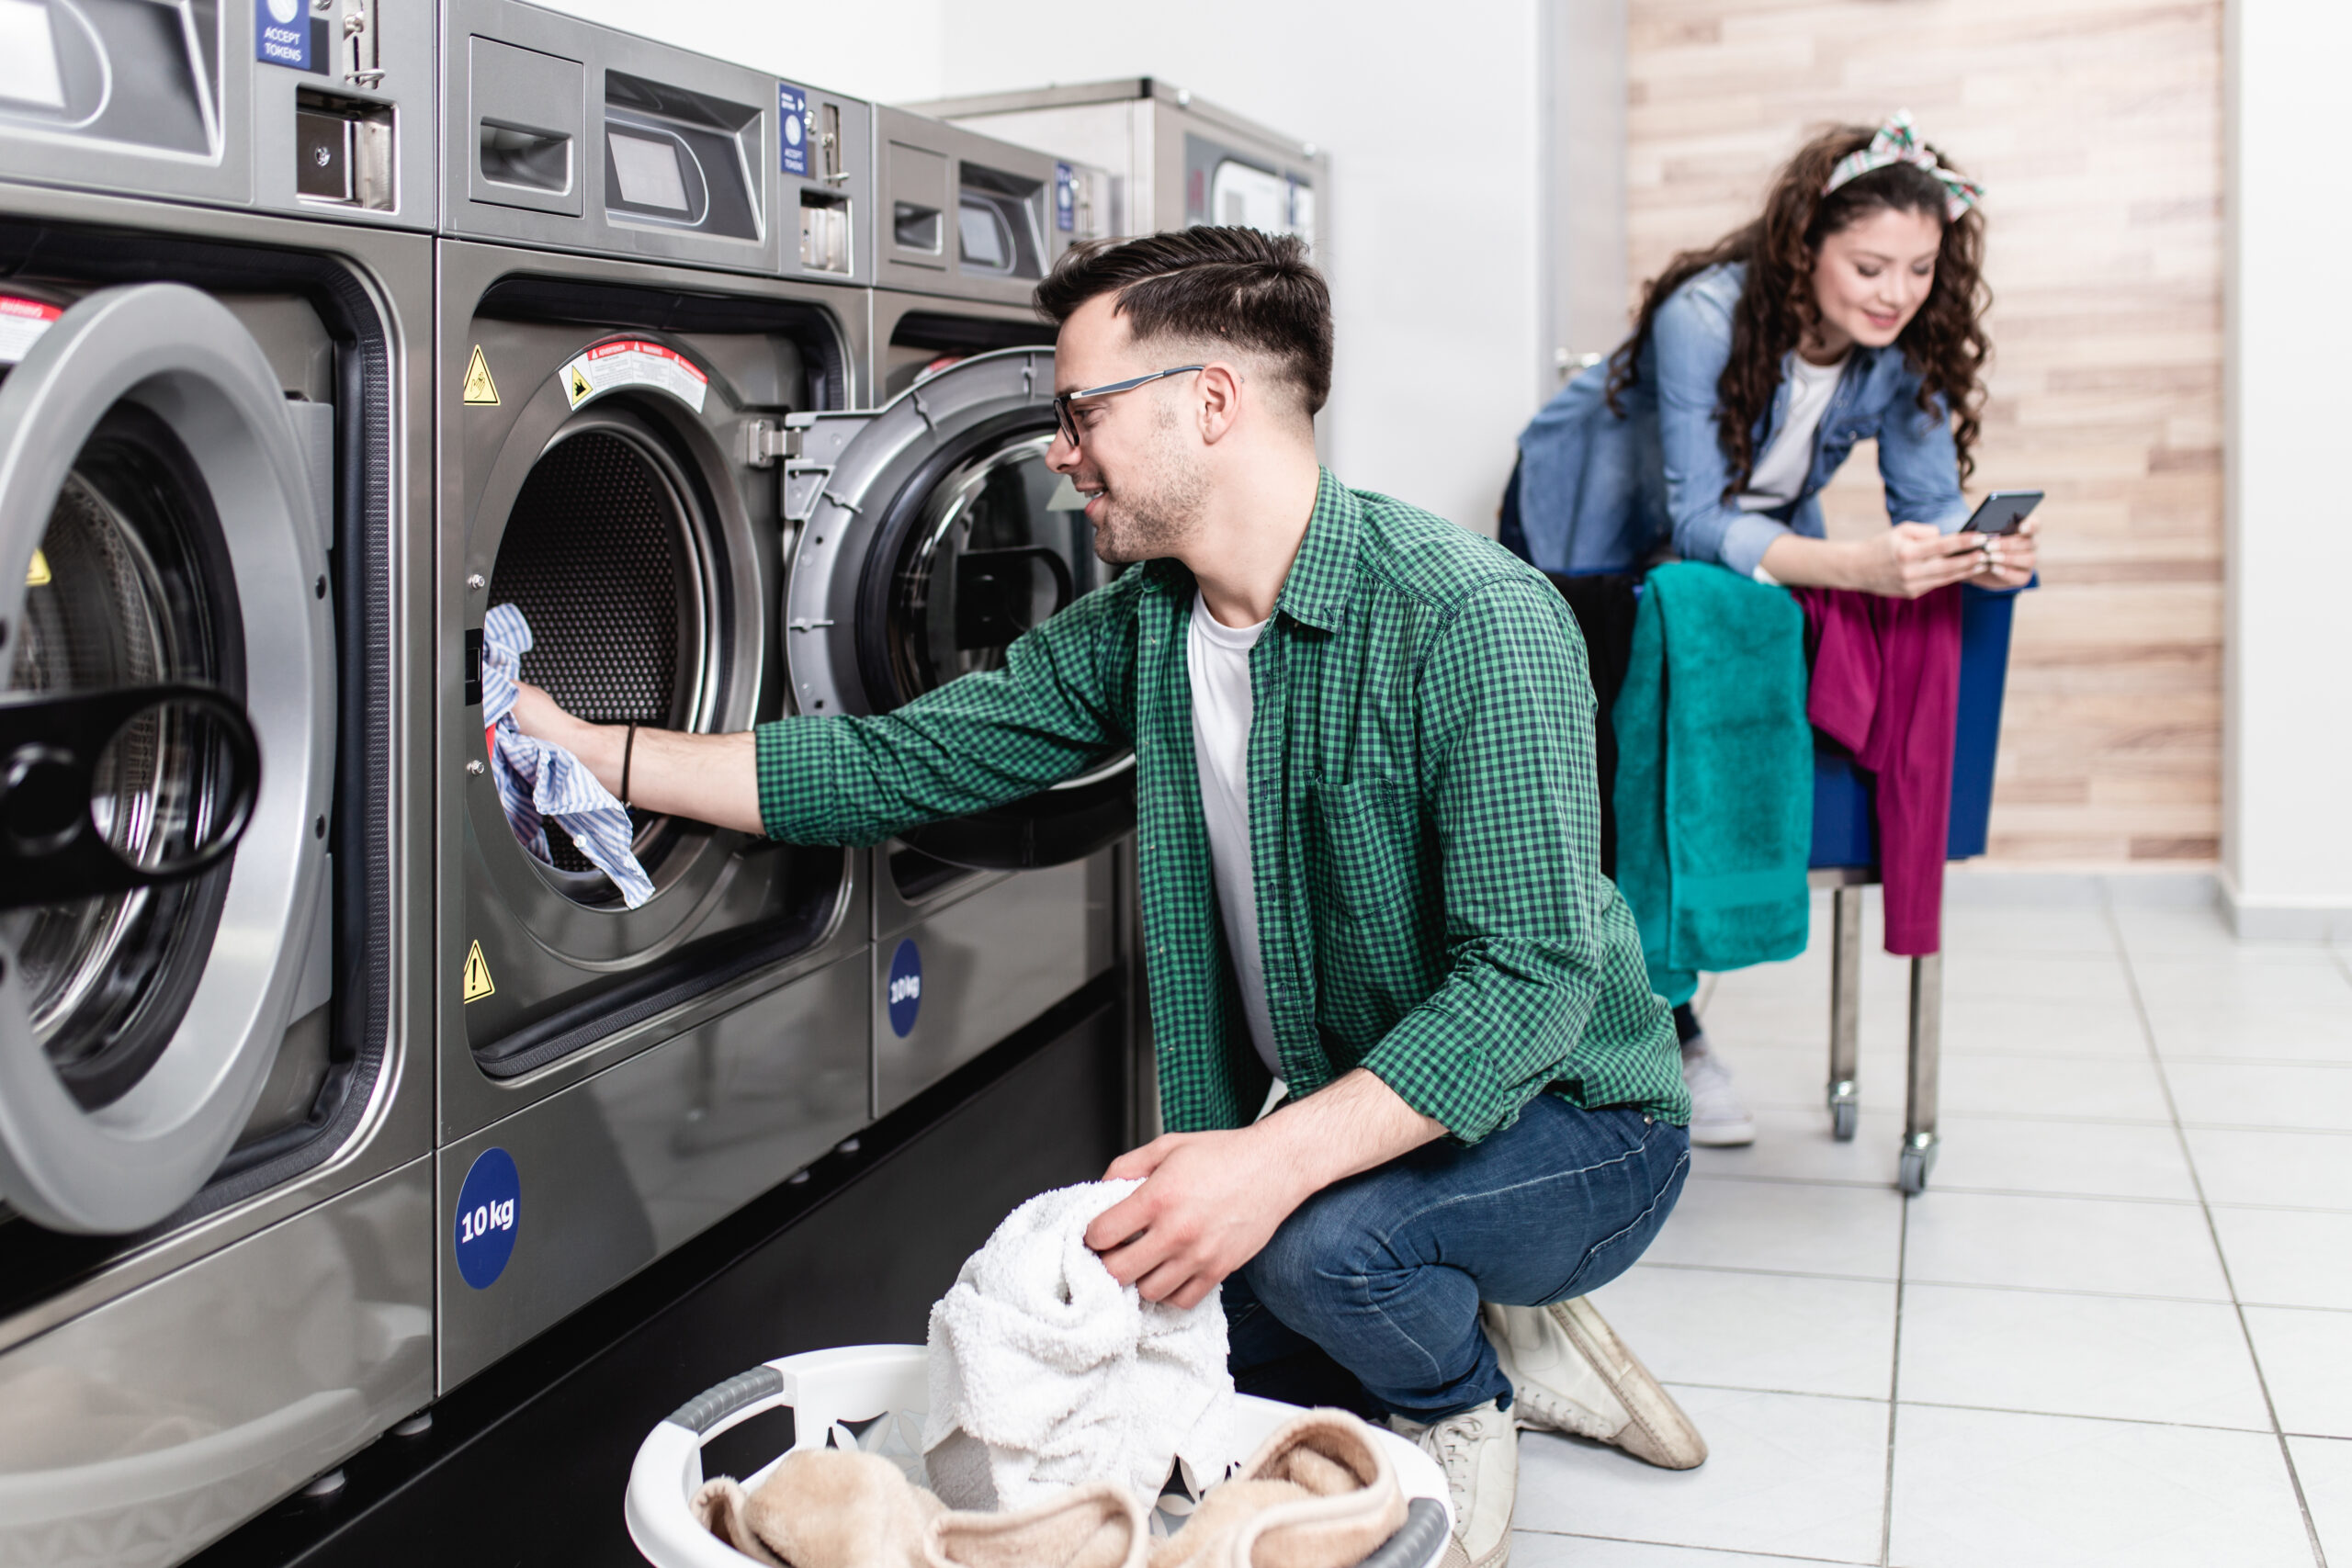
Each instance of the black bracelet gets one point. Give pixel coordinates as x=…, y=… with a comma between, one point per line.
x=628, y=750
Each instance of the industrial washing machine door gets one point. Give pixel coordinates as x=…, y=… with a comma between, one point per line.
x=166, y=747
x=932, y=535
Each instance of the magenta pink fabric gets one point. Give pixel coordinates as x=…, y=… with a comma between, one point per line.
x=1887, y=687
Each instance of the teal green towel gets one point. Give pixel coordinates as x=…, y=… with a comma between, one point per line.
x=1714, y=775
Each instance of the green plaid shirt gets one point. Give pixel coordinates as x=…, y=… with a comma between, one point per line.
x=1423, y=822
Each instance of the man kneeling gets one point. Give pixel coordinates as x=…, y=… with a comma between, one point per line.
x=1370, y=869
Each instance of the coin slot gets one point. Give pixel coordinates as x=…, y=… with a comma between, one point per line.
x=824, y=233
x=342, y=151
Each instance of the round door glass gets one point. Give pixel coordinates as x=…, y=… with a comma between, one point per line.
x=608, y=554
x=130, y=588
x=1001, y=543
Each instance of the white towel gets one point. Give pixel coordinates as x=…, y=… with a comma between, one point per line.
x=1059, y=1374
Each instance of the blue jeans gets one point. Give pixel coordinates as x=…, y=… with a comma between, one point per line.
x=1383, y=1273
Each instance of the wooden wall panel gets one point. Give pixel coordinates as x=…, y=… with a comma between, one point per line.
x=2097, y=124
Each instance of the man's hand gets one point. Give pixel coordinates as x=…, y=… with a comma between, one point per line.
x=538, y=715
x=708, y=778
x=1210, y=1200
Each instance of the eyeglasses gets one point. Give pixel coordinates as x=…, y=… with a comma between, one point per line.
x=1069, y=421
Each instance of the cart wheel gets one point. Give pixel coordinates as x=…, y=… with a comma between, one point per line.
x=1912, y=1176
x=1842, y=1116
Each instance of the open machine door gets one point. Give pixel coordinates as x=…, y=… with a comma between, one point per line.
x=164, y=603
x=933, y=534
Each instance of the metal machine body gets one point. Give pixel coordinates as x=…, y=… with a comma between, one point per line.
x=322, y=108
x=965, y=227
x=608, y=423
x=619, y=405
x=1174, y=160
x=215, y=1176
x=556, y=136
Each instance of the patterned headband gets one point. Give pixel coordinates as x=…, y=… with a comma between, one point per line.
x=1897, y=142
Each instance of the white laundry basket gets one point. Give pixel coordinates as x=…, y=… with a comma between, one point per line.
x=873, y=1397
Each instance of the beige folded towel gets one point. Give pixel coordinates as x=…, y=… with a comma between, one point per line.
x=837, y=1508
x=1319, y=1493
x=1094, y=1525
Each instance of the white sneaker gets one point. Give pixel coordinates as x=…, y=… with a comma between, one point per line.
x=1569, y=1372
x=1478, y=1450
x=1718, y=1120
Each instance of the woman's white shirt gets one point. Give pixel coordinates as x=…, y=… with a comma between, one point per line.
x=1787, y=459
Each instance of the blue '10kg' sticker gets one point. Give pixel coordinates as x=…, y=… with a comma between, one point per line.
x=488, y=1204
x=906, y=987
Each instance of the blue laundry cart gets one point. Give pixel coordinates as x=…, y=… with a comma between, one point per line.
x=1845, y=860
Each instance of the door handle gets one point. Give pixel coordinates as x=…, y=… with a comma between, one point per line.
x=51, y=847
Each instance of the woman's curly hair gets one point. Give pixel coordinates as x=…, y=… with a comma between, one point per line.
x=1945, y=342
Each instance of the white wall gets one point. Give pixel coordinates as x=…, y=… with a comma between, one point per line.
x=1431, y=120
x=2286, y=787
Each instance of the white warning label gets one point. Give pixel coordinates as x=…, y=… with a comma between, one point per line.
x=22, y=324
x=610, y=367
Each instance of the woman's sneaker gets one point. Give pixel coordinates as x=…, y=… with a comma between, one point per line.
x=1718, y=1120
x=1478, y=1450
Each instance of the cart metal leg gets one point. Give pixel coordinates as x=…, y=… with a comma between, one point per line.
x=1845, y=1008
x=1926, y=1061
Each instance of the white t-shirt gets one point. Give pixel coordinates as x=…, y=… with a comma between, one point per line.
x=1218, y=656
x=1781, y=468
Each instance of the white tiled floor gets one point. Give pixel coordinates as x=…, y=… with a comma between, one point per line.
x=2116, y=1329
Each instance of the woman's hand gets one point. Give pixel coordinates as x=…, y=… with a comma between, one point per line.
x=1912, y=559
x=2011, y=562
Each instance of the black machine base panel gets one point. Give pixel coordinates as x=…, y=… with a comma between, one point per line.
x=527, y=1463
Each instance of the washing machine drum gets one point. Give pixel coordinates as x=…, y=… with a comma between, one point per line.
x=167, y=738
x=607, y=554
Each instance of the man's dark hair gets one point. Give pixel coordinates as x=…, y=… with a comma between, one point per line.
x=1255, y=290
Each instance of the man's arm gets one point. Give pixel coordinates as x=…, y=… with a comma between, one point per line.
x=1211, y=1200
x=978, y=741
x=704, y=778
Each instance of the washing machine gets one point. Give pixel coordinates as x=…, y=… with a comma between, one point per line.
x=930, y=534
x=1174, y=160
x=216, y=1248
x=617, y=362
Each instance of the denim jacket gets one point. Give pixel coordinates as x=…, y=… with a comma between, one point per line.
x=1597, y=492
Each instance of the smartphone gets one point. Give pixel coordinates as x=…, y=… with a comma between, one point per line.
x=2001, y=512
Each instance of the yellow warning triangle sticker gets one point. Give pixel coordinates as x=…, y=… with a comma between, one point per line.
x=478, y=982
x=579, y=387
x=36, y=574
x=480, y=387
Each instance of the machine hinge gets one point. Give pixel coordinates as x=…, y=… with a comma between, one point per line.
x=764, y=441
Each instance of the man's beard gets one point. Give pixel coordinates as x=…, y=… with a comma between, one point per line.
x=1152, y=513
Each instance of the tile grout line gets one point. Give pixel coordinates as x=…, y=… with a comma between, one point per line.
x=1983, y=1409
x=1680, y=1546
x=1893, y=1390
x=2229, y=1278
